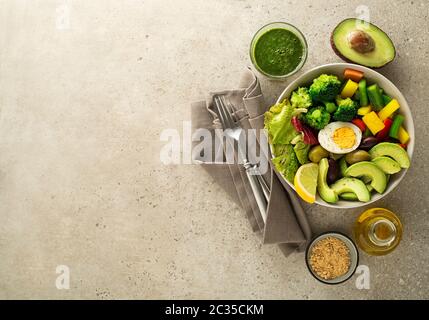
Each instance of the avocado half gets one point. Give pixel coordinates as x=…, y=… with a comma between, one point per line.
x=361, y=42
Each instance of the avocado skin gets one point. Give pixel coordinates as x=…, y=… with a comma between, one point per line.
x=339, y=54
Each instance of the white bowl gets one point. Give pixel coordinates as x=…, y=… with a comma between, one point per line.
x=372, y=76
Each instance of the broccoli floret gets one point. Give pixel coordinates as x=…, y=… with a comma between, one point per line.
x=317, y=118
x=331, y=107
x=301, y=98
x=324, y=88
x=346, y=110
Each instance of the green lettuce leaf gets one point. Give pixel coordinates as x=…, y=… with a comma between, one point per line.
x=301, y=151
x=278, y=123
x=286, y=162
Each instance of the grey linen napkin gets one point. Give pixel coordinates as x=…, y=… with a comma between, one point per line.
x=286, y=223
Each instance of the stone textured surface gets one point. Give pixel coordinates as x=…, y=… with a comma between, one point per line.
x=86, y=87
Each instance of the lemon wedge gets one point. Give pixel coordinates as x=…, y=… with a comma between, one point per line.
x=306, y=181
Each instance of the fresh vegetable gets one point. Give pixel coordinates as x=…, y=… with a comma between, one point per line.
x=367, y=133
x=317, y=153
x=357, y=156
x=317, y=117
x=325, y=88
x=375, y=97
x=397, y=123
x=404, y=146
x=364, y=110
x=356, y=96
x=392, y=150
x=348, y=196
x=305, y=182
x=384, y=133
x=346, y=110
x=367, y=168
x=363, y=96
x=368, y=142
x=354, y=186
x=353, y=74
x=287, y=163
x=363, y=43
x=386, y=99
x=343, y=166
x=301, y=98
x=373, y=122
x=387, y=164
x=360, y=124
x=309, y=136
x=331, y=107
x=278, y=123
x=403, y=135
x=333, y=171
x=325, y=192
x=388, y=110
x=349, y=89
x=301, y=151
x=280, y=149
x=297, y=124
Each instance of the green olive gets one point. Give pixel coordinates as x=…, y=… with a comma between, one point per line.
x=317, y=153
x=357, y=156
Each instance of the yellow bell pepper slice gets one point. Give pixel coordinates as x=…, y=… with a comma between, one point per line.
x=349, y=89
x=388, y=110
x=373, y=122
x=403, y=135
x=364, y=110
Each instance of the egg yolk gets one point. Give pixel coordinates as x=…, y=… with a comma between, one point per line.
x=344, y=137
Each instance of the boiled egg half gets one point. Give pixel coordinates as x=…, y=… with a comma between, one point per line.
x=340, y=137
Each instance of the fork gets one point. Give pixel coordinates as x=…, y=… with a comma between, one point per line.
x=233, y=130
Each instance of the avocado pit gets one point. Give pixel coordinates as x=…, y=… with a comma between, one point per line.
x=361, y=41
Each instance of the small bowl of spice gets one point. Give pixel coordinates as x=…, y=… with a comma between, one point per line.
x=332, y=257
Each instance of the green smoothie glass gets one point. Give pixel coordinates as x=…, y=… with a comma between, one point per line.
x=278, y=50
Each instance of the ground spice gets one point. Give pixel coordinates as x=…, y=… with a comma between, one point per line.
x=330, y=258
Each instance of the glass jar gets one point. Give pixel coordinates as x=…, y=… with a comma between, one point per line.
x=378, y=231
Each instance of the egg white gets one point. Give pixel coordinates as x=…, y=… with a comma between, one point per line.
x=328, y=143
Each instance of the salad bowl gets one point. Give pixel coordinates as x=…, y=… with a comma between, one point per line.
x=389, y=88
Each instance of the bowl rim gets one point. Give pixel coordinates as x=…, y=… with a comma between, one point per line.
x=334, y=234
x=410, y=147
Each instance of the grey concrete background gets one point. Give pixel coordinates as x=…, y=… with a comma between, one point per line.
x=86, y=87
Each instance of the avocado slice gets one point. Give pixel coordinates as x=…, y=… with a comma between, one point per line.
x=361, y=42
x=367, y=168
x=349, y=196
x=325, y=192
x=354, y=186
x=392, y=150
x=388, y=165
x=343, y=166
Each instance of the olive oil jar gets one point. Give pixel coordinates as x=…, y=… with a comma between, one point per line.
x=378, y=231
